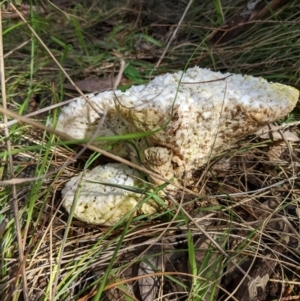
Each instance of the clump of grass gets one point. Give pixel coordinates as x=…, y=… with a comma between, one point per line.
x=64, y=259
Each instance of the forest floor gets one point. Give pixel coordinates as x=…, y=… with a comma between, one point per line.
x=252, y=247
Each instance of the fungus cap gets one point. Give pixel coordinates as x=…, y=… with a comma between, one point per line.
x=201, y=113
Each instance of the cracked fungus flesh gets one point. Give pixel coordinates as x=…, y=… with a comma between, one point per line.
x=202, y=113
x=198, y=114
x=102, y=204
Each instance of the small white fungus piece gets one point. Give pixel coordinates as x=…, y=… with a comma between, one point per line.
x=103, y=204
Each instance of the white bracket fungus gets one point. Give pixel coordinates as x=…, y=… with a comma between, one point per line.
x=198, y=114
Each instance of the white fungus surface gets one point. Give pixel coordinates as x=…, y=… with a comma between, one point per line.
x=204, y=114
x=200, y=113
x=103, y=204
x=80, y=121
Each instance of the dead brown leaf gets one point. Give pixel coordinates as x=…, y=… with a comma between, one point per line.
x=93, y=85
x=271, y=132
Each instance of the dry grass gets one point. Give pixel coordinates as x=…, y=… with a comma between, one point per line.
x=248, y=200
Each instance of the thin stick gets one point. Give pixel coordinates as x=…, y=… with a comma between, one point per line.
x=64, y=136
x=11, y=170
x=65, y=102
x=174, y=34
x=206, y=234
x=61, y=68
x=40, y=111
x=68, y=226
